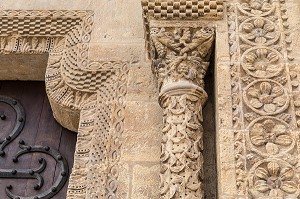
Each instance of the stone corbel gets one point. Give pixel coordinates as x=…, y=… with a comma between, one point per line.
x=179, y=47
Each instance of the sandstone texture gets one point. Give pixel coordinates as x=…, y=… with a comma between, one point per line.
x=171, y=98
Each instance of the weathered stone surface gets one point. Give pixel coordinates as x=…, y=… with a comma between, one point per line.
x=142, y=188
x=124, y=180
x=256, y=90
x=141, y=146
x=142, y=116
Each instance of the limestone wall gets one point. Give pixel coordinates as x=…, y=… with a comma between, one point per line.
x=117, y=36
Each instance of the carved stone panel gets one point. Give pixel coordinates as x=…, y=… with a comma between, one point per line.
x=264, y=115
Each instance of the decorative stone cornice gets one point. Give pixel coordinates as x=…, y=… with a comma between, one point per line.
x=180, y=47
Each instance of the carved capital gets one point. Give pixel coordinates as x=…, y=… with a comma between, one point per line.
x=181, y=54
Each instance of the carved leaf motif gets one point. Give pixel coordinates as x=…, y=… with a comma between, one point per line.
x=265, y=88
x=253, y=92
x=273, y=168
x=286, y=174
x=261, y=186
x=261, y=53
x=269, y=27
x=274, y=192
x=250, y=36
x=262, y=173
x=297, y=103
x=289, y=186
x=193, y=187
x=172, y=191
x=269, y=125
x=256, y=103
x=279, y=101
x=165, y=186
x=193, y=126
x=34, y=42
x=258, y=140
x=244, y=47
x=270, y=35
x=278, y=129
x=272, y=148
x=251, y=57
x=283, y=140
x=269, y=108
x=266, y=7
x=258, y=129
x=295, y=83
x=273, y=57
x=248, y=27
x=277, y=91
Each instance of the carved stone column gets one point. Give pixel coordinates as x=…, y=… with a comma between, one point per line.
x=179, y=45
x=180, y=60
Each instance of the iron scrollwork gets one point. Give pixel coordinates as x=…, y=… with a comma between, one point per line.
x=19, y=123
x=25, y=149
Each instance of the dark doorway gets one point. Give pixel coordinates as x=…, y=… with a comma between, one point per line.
x=40, y=129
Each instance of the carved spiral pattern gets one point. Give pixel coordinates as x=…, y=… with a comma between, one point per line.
x=266, y=97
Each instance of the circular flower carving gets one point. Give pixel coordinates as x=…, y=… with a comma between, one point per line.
x=262, y=62
x=274, y=180
x=266, y=97
x=258, y=7
x=259, y=31
x=270, y=136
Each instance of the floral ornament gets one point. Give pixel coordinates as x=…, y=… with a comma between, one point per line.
x=268, y=98
x=275, y=181
x=271, y=135
x=257, y=7
x=261, y=63
x=259, y=31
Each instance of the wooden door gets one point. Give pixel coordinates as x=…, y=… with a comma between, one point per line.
x=42, y=137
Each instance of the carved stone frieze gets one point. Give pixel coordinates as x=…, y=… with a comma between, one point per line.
x=263, y=88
